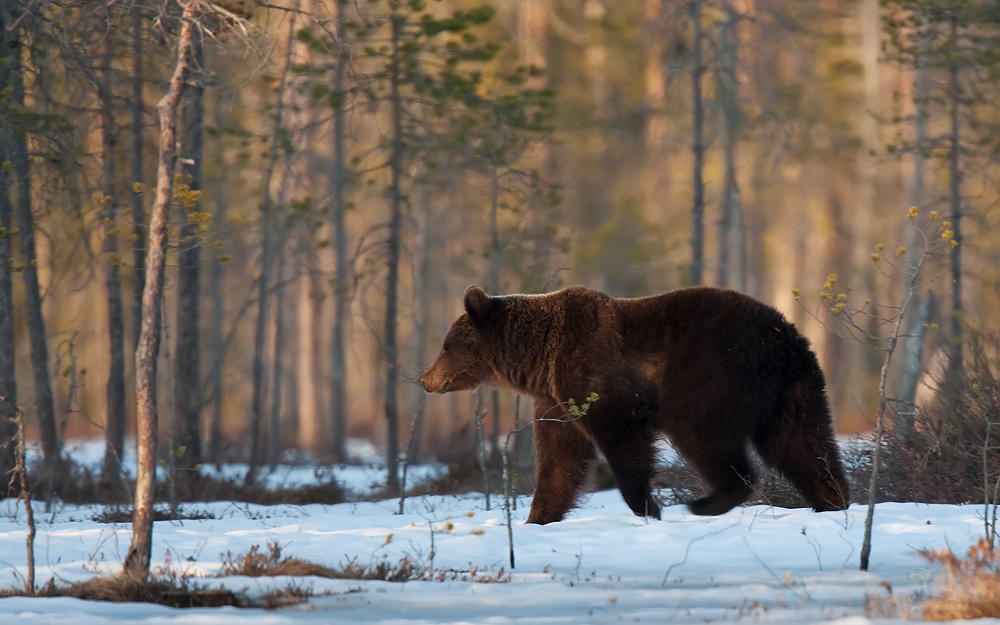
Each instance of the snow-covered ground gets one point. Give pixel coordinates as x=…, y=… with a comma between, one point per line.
x=601, y=565
x=365, y=475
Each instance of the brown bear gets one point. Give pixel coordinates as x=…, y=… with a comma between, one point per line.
x=712, y=369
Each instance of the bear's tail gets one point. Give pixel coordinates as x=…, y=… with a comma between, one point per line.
x=799, y=442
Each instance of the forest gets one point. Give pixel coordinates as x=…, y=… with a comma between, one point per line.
x=256, y=220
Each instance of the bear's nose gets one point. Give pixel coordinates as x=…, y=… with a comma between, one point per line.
x=423, y=382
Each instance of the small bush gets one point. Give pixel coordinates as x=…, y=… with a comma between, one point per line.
x=971, y=587
x=941, y=458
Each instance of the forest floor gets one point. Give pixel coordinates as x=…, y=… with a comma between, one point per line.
x=600, y=565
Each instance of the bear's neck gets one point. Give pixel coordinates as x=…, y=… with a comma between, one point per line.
x=527, y=350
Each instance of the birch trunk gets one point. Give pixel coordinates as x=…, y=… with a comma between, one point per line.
x=137, y=560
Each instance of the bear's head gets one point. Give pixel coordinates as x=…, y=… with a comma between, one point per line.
x=465, y=360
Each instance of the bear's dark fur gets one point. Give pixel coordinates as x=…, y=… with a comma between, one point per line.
x=713, y=370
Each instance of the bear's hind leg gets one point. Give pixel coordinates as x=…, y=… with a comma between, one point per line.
x=724, y=465
x=800, y=444
x=563, y=455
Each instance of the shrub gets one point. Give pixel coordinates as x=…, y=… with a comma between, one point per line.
x=971, y=587
x=950, y=453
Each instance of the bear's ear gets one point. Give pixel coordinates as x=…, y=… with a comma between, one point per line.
x=477, y=303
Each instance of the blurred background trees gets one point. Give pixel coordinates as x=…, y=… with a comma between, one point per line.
x=347, y=169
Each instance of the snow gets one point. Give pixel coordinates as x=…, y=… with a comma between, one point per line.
x=365, y=475
x=601, y=565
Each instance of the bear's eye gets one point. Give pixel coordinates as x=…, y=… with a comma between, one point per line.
x=444, y=349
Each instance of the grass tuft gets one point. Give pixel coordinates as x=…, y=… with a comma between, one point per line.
x=971, y=587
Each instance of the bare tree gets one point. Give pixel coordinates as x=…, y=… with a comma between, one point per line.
x=732, y=238
x=338, y=177
x=18, y=146
x=8, y=381
x=267, y=215
x=187, y=363
x=280, y=322
x=136, y=115
x=697, y=149
x=115, y=424
x=393, y=246
x=137, y=560
x=955, y=97
x=216, y=338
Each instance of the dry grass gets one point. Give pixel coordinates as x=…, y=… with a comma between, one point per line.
x=124, y=589
x=270, y=563
x=971, y=586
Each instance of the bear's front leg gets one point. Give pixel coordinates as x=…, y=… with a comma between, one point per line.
x=563, y=455
x=623, y=435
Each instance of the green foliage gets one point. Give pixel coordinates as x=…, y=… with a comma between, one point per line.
x=576, y=410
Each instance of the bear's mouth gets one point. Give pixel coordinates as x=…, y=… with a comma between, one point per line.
x=431, y=387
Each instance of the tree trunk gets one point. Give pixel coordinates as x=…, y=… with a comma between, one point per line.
x=341, y=287
x=306, y=338
x=730, y=272
x=891, y=343
x=137, y=560
x=8, y=381
x=115, y=424
x=260, y=335
x=911, y=354
x=533, y=35
x=955, y=203
x=267, y=217
x=44, y=403
x=496, y=252
x=216, y=338
x=698, y=152
x=908, y=375
x=139, y=229
x=392, y=280
x=187, y=360
x=421, y=315
x=280, y=308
